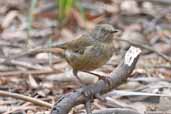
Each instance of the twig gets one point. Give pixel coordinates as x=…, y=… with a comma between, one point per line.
x=15, y=109
x=157, y=1
x=32, y=72
x=39, y=50
x=118, y=76
x=8, y=44
x=157, y=66
x=25, y=98
x=12, y=61
x=144, y=46
x=19, y=63
x=116, y=111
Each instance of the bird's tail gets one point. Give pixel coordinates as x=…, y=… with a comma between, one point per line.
x=62, y=46
x=55, y=51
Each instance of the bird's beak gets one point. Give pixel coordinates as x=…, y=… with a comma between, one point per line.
x=115, y=31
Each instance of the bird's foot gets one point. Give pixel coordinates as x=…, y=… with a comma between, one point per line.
x=89, y=97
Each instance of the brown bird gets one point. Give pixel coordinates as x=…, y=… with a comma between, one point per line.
x=90, y=51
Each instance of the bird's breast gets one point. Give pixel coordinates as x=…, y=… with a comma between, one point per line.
x=94, y=57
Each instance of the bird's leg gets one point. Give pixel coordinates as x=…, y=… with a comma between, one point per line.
x=98, y=75
x=88, y=98
x=75, y=72
x=88, y=93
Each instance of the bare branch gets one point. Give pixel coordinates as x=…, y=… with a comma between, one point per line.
x=118, y=76
x=140, y=45
x=25, y=98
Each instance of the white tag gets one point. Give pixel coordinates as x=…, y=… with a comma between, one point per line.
x=131, y=54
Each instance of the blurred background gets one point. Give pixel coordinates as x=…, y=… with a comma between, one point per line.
x=29, y=24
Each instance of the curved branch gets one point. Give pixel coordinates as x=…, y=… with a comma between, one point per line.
x=117, y=77
x=116, y=111
x=25, y=98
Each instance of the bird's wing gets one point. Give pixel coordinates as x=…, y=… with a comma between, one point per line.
x=94, y=50
x=79, y=44
x=83, y=56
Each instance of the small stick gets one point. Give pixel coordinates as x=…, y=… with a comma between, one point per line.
x=140, y=45
x=25, y=98
x=32, y=72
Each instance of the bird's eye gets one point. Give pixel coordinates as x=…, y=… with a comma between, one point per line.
x=97, y=29
x=103, y=30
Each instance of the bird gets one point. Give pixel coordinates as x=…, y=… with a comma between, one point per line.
x=91, y=50
x=86, y=53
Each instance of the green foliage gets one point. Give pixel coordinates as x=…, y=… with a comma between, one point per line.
x=65, y=8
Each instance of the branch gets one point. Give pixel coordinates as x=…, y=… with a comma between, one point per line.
x=57, y=51
x=140, y=45
x=157, y=1
x=25, y=98
x=116, y=111
x=118, y=76
x=19, y=63
x=27, y=73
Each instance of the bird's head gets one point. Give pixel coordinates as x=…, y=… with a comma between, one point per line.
x=104, y=32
